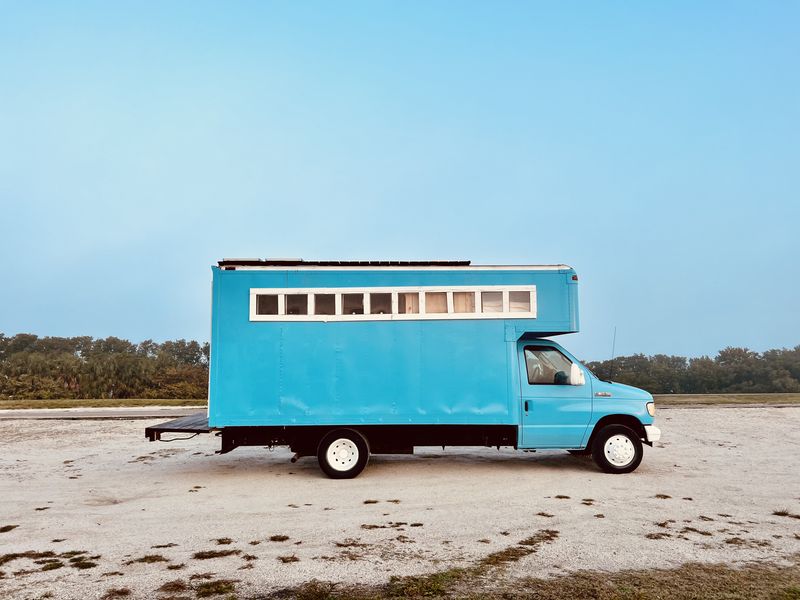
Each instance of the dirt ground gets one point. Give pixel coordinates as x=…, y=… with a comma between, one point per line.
x=90, y=509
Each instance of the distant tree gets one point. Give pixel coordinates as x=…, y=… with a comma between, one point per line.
x=733, y=370
x=84, y=367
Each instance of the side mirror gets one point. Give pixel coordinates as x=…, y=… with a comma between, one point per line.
x=576, y=376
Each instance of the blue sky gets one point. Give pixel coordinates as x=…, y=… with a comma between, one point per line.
x=655, y=147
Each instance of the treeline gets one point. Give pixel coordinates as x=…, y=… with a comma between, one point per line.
x=83, y=367
x=732, y=370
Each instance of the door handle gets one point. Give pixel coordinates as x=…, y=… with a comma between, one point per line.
x=526, y=406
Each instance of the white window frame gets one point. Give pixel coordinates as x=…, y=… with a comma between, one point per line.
x=420, y=316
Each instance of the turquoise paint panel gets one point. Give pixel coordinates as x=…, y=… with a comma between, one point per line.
x=373, y=372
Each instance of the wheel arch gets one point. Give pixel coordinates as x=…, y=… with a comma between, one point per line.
x=617, y=419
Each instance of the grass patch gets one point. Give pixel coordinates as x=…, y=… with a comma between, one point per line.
x=540, y=537
x=116, y=593
x=785, y=513
x=502, y=557
x=224, y=541
x=292, y=558
x=176, y=585
x=158, y=546
x=712, y=399
x=30, y=554
x=206, y=554
x=7, y=528
x=350, y=543
x=278, y=538
x=215, y=588
x=370, y=501
x=523, y=548
x=695, y=530
x=148, y=559
x=52, y=565
x=688, y=582
x=423, y=586
x=97, y=403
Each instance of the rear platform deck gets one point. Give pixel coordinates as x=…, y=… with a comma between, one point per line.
x=196, y=423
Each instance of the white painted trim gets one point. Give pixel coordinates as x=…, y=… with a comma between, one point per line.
x=405, y=268
x=420, y=290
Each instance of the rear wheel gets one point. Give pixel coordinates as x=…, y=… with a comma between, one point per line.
x=617, y=449
x=343, y=453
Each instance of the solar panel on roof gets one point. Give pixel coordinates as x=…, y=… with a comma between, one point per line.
x=295, y=262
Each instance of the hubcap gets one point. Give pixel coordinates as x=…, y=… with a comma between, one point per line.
x=619, y=450
x=342, y=454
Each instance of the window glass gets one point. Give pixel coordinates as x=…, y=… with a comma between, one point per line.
x=464, y=302
x=324, y=304
x=519, y=302
x=380, y=304
x=296, y=304
x=435, y=302
x=547, y=365
x=491, y=302
x=408, y=303
x=352, y=304
x=267, y=304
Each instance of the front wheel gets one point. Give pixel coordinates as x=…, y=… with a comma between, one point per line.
x=343, y=453
x=617, y=449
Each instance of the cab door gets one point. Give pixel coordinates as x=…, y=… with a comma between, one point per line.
x=555, y=414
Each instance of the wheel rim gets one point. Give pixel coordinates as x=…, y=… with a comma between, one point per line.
x=619, y=450
x=342, y=454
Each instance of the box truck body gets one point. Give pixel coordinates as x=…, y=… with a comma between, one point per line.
x=393, y=355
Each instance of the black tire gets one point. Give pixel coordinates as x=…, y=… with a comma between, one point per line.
x=347, y=464
x=604, y=455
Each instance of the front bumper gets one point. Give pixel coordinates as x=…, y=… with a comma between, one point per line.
x=652, y=433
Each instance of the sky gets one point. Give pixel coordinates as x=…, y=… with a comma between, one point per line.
x=654, y=147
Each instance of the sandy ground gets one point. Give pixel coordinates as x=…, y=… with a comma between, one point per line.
x=100, y=487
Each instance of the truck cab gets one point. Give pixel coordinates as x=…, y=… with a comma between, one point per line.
x=564, y=405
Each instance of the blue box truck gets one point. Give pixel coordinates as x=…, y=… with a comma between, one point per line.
x=343, y=359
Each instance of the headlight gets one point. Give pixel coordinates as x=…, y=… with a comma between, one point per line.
x=651, y=409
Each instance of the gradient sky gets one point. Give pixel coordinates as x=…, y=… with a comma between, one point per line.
x=655, y=147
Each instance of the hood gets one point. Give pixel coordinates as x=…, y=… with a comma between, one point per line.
x=620, y=390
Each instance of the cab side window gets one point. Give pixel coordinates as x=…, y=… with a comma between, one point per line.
x=546, y=366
